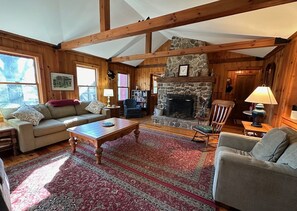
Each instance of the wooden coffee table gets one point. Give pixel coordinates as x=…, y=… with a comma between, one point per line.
x=97, y=134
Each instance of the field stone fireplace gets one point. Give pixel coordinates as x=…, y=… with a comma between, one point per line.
x=196, y=89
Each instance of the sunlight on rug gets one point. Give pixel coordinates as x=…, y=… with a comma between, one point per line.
x=161, y=172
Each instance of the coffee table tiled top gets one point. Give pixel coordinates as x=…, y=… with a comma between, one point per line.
x=96, y=133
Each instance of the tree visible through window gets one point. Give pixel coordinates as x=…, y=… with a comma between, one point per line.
x=86, y=81
x=123, y=87
x=18, y=83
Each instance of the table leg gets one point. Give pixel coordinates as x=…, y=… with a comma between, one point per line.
x=98, y=154
x=136, y=133
x=73, y=142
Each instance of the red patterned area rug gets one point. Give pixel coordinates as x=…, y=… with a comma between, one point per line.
x=161, y=172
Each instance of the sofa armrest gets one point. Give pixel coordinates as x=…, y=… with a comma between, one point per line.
x=237, y=141
x=249, y=184
x=106, y=112
x=25, y=134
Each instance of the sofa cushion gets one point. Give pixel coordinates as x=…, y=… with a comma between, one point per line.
x=289, y=157
x=29, y=114
x=271, y=146
x=60, y=112
x=93, y=117
x=72, y=121
x=95, y=107
x=44, y=110
x=7, y=110
x=49, y=126
x=81, y=108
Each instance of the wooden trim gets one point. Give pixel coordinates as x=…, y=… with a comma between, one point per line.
x=148, y=42
x=197, y=14
x=231, y=60
x=289, y=122
x=206, y=49
x=104, y=12
x=39, y=69
x=186, y=79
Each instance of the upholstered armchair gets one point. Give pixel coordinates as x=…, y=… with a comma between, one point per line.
x=131, y=109
x=254, y=174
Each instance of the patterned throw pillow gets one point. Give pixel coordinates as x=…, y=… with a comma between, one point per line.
x=29, y=114
x=95, y=107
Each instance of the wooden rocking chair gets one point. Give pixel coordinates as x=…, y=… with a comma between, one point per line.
x=220, y=111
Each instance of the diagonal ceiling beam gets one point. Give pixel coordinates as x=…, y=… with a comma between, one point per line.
x=193, y=15
x=207, y=49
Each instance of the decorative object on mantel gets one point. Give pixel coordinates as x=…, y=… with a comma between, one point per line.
x=183, y=70
x=261, y=95
x=294, y=112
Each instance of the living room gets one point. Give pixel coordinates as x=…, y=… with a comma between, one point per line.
x=222, y=59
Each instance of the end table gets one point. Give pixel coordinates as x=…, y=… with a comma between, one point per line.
x=250, y=130
x=114, y=111
x=8, y=138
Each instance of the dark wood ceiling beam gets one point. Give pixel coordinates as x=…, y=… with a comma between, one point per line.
x=207, y=49
x=193, y=15
x=104, y=13
x=148, y=42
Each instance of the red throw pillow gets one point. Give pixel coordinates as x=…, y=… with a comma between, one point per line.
x=64, y=102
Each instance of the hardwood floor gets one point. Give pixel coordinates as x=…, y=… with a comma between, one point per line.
x=145, y=122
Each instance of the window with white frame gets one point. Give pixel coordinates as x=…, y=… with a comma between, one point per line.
x=123, y=86
x=18, y=80
x=86, y=82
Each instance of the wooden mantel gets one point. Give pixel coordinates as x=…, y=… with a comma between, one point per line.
x=186, y=79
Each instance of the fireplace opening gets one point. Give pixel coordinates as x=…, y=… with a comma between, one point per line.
x=180, y=106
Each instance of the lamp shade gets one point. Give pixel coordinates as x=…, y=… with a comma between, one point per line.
x=262, y=94
x=108, y=93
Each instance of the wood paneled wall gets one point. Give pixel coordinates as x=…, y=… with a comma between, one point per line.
x=52, y=60
x=150, y=66
x=45, y=53
x=67, y=64
x=112, y=84
x=223, y=62
x=284, y=85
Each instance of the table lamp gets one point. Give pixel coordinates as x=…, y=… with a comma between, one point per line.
x=261, y=95
x=108, y=93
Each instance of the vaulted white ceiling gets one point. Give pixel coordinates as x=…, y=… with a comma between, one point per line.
x=55, y=21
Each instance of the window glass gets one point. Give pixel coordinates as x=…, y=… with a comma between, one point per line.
x=18, y=83
x=86, y=81
x=123, y=87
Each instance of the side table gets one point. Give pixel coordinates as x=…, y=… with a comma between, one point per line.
x=8, y=138
x=255, y=131
x=114, y=111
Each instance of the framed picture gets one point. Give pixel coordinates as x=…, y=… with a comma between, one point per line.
x=183, y=70
x=62, y=81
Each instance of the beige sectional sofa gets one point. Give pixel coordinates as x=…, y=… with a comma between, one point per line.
x=247, y=180
x=52, y=128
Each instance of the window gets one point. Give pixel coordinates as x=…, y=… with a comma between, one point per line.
x=18, y=82
x=86, y=82
x=123, y=87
